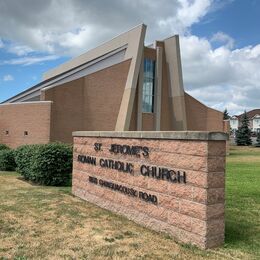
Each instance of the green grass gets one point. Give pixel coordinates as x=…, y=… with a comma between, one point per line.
x=39, y=222
x=243, y=200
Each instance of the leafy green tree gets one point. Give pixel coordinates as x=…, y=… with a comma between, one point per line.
x=225, y=115
x=243, y=134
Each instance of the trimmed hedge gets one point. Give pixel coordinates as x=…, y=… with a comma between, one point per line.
x=4, y=147
x=7, y=161
x=48, y=164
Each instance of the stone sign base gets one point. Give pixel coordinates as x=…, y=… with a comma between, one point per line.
x=172, y=182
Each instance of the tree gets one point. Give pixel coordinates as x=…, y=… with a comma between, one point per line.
x=225, y=115
x=243, y=134
x=258, y=139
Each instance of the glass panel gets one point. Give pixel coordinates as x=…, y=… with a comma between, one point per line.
x=148, y=85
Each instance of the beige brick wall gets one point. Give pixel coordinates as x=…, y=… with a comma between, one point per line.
x=89, y=103
x=33, y=117
x=148, y=122
x=192, y=212
x=201, y=117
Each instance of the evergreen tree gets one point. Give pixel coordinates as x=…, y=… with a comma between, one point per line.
x=243, y=134
x=258, y=139
x=225, y=115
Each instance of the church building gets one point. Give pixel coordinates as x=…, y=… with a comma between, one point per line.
x=121, y=85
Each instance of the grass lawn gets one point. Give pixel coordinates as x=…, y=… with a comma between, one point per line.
x=48, y=223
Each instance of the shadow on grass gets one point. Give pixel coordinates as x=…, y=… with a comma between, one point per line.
x=66, y=189
x=66, y=185
x=8, y=173
x=240, y=235
x=234, y=233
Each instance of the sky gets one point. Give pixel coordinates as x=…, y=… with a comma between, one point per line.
x=219, y=41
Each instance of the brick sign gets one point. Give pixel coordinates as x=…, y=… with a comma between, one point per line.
x=168, y=181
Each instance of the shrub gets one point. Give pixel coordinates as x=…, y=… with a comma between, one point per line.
x=24, y=157
x=7, y=161
x=53, y=164
x=4, y=147
x=48, y=164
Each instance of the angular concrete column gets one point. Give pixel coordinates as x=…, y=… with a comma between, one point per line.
x=173, y=61
x=158, y=88
x=140, y=96
x=135, y=53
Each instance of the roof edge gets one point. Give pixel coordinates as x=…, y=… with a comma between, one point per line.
x=90, y=54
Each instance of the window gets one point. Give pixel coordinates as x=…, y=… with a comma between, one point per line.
x=148, y=86
x=25, y=132
x=6, y=132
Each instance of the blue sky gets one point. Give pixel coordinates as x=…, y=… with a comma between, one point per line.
x=22, y=76
x=220, y=41
x=239, y=19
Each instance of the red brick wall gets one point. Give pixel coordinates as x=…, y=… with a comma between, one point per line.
x=17, y=118
x=192, y=212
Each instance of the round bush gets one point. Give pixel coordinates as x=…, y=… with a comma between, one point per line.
x=48, y=164
x=52, y=164
x=7, y=161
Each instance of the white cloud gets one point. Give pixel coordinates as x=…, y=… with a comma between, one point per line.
x=1, y=44
x=221, y=37
x=19, y=50
x=29, y=60
x=8, y=77
x=73, y=26
x=188, y=13
x=221, y=77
